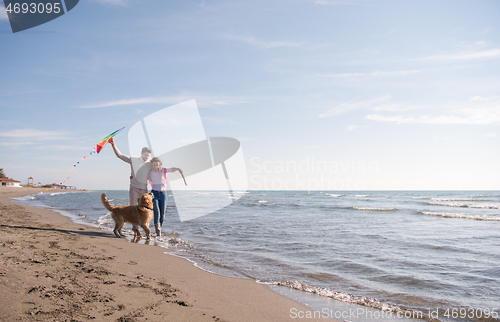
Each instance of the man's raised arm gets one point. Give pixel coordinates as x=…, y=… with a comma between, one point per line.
x=124, y=157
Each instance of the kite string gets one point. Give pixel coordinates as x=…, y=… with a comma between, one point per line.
x=77, y=163
x=95, y=150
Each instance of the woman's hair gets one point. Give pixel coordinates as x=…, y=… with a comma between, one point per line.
x=156, y=159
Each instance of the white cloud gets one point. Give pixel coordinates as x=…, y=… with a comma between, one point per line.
x=441, y=138
x=20, y=138
x=32, y=134
x=15, y=145
x=373, y=74
x=477, y=110
x=264, y=44
x=423, y=119
x=59, y=147
x=202, y=101
x=393, y=107
x=491, y=135
x=132, y=101
x=351, y=105
x=469, y=55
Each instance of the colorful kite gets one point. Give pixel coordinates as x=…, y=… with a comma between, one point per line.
x=103, y=142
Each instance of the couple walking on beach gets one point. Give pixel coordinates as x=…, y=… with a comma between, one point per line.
x=142, y=172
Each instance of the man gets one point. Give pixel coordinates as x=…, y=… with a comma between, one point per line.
x=139, y=167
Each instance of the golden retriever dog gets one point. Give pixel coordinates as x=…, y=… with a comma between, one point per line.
x=139, y=215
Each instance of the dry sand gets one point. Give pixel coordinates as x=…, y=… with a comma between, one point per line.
x=55, y=270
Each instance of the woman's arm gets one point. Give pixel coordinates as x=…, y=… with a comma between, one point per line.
x=182, y=174
x=178, y=169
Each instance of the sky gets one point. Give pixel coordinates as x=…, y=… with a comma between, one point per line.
x=322, y=94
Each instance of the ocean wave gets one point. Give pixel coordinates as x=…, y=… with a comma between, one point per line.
x=25, y=198
x=106, y=220
x=333, y=195
x=262, y=201
x=343, y=297
x=55, y=193
x=249, y=204
x=375, y=209
x=463, y=216
x=420, y=197
x=457, y=199
x=178, y=242
x=465, y=205
x=362, y=196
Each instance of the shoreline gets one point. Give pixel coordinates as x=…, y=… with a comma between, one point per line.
x=53, y=268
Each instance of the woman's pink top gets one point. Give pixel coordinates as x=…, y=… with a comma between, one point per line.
x=158, y=180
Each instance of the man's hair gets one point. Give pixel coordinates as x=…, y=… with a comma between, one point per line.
x=156, y=159
x=145, y=149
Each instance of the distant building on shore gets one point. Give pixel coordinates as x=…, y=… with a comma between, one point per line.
x=60, y=186
x=6, y=182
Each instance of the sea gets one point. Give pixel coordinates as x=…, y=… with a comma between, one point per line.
x=349, y=255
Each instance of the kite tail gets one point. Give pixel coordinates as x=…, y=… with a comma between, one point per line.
x=105, y=202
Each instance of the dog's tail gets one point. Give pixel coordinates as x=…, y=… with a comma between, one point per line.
x=105, y=202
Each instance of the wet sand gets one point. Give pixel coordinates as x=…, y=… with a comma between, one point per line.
x=53, y=269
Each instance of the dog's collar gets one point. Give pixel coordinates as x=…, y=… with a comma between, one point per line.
x=146, y=207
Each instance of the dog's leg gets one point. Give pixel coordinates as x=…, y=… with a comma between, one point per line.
x=120, y=229
x=117, y=234
x=118, y=226
x=137, y=233
x=147, y=231
x=136, y=238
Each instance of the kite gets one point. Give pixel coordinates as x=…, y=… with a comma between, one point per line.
x=103, y=142
x=99, y=147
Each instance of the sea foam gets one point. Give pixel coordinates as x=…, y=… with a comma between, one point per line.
x=466, y=205
x=457, y=199
x=463, y=216
x=375, y=209
x=343, y=297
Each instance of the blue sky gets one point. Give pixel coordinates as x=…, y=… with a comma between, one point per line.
x=322, y=94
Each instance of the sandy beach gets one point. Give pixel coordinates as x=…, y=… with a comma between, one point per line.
x=53, y=269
